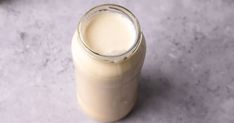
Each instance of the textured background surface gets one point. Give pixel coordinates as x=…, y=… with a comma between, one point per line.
x=188, y=75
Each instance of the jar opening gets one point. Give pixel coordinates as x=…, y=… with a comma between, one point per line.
x=109, y=22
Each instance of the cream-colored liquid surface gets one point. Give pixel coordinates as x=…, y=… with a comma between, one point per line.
x=110, y=33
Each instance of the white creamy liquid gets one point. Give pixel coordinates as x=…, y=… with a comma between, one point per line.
x=107, y=91
x=109, y=33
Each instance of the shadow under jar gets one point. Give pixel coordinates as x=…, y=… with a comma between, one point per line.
x=108, y=50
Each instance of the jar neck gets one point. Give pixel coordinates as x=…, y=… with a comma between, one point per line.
x=110, y=8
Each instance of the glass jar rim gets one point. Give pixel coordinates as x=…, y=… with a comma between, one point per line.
x=121, y=10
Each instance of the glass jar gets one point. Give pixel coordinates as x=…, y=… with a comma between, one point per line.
x=107, y=84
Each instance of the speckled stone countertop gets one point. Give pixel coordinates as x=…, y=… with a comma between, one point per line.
x=188, y=75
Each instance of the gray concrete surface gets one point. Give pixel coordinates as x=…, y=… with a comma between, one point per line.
x=188, y=75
